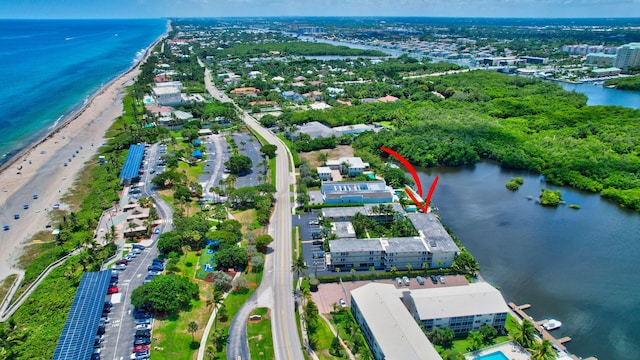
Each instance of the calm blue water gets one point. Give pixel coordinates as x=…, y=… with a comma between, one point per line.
x=498, y=355
x=600, y=95
x=49, y=67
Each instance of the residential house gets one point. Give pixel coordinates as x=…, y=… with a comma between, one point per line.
x=388, y=98
x=324, y=173
x=245, y=91
x=351, y=166
x=168, y=95
x=356, y=192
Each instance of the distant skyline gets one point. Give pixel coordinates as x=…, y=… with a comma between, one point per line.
x=91, y=9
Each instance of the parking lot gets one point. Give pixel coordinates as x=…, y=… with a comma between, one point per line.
x=249, y=146
x=328, y=294
x=120, y=329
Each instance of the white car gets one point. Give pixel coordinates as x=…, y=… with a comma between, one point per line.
x=343, y=303
x=143, y=327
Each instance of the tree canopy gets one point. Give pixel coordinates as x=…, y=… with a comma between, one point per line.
x=239, y=164
x=165, y=294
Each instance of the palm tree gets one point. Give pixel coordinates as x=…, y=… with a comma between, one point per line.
x=216, y=300
x=192, y=328
x=542, y=350
x=425, y=267
x=305, y=292
x=311, y=313
x=409, y=268
x=393, y=269
x=524, y=333
x=475, y=340
x=299, y=266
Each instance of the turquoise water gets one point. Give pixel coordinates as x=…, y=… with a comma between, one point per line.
x=51, y=67
x=498, y=355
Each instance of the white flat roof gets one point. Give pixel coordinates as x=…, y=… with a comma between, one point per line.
x=393, y=328
x=465, y=300
x=165, y=90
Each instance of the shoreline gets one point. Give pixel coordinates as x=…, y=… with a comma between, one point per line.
x=40, y=167
x=79, y=108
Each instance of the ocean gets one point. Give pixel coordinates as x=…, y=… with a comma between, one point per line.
x=49, y=68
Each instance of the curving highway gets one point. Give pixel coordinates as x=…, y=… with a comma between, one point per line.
x=277, y=282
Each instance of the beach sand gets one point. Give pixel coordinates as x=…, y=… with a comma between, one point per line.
x=43, y=172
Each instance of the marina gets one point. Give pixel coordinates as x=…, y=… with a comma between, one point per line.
x=541, y=327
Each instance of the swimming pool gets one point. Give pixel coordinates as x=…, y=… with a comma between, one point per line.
x=498, y=355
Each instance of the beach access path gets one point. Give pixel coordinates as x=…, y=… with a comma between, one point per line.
x=43, y=172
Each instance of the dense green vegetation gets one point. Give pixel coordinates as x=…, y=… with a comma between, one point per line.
x=291, y=48
x=521, y=123
x=515, y=183
x=168, y=294
x=550, y=197
x=625, y=83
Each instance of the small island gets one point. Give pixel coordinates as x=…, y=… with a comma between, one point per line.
x=515, y=183
x=551, y=197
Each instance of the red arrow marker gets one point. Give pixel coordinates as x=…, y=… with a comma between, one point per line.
x=425, y=206
x=407, y=165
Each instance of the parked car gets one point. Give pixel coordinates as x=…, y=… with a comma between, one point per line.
x=108, y=305
x=35, y=196
x=143, y=321
x=6, y=228
x=138, y=246
x=143, y=327
x=434, y=279
x=25, y=206
x=120, y=267
x=105, y=319
x=122, y=261
x=141, y=341
x=343, y=303
x=154, y=273
x=155, y=267
x=399, y=281
x=143, y=333
x=406, y=281
x=135, y=251
x=317, y=242
x=420, y=280
x=112, y=290
x=157, y=231
x=441, y=279
x=139, y=348
x=100, y=330
x=95, y=356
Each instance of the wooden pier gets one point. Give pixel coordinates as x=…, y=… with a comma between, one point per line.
x=557, y=343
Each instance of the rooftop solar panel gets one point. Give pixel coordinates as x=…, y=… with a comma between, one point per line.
x=132, y=162
x=79, y=332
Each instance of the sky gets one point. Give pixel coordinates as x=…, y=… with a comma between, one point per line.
x=87, y=9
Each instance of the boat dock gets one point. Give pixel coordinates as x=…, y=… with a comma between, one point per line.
x=557, y=343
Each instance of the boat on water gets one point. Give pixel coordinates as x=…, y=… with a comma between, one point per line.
x=551, y=324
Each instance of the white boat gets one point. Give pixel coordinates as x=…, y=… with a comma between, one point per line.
x=551, y=324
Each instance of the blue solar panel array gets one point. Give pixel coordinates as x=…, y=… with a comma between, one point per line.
x=133, y=162
x=79, y=332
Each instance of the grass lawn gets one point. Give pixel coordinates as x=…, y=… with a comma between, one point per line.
x=193, y=172
x=259, y=335
x=206, y=257
x=187, y=264
x=171, y=335
x=325, y=337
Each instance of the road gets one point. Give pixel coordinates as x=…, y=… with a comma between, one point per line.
x=277, y=282
x=121, y=330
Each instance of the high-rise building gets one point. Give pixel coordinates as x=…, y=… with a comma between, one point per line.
x=628, y=56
